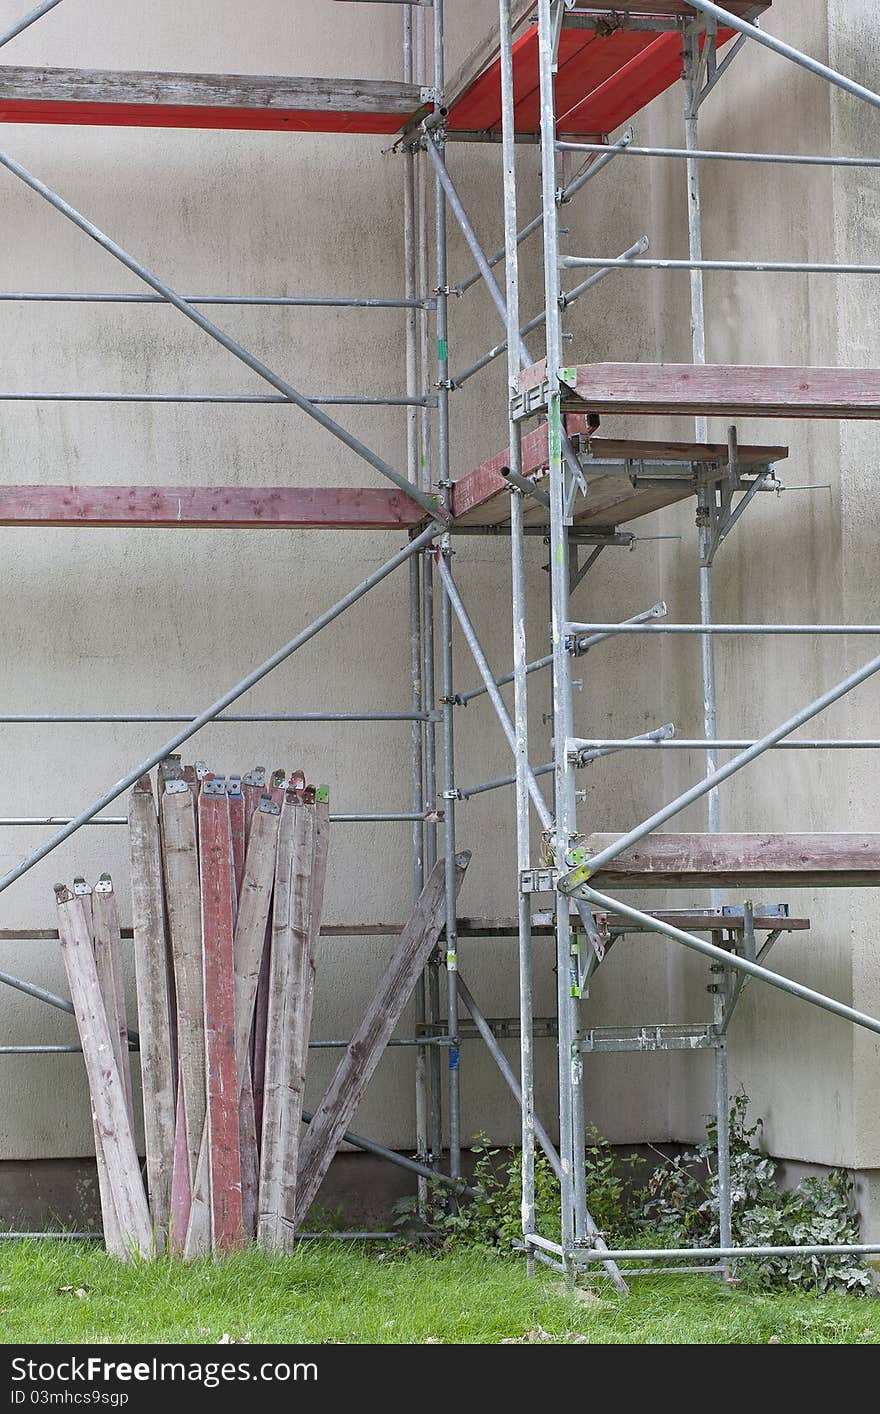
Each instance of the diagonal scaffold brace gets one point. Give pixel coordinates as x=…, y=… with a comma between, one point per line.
x=430, y=504
x=208, y=715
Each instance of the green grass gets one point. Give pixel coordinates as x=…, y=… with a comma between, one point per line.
x=328, y=1292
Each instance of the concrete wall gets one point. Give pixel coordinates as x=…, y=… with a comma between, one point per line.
x=96, y=620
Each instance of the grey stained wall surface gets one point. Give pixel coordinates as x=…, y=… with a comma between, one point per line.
x=104, y=620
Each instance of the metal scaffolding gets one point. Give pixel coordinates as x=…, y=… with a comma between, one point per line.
x=543, y=403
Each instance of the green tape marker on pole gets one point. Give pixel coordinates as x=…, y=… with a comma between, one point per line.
x=442, y=350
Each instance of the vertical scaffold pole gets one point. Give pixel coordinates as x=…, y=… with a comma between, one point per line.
x=705, y=503
x=415, y=607
x=447, y=685
x=424, y=50
x=570, y=1065
x=520, y=656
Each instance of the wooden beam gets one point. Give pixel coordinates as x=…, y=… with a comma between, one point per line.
x=730, y=390
x=209, y=507
x=297, y=845
x=148, y=98
x=752, y=861
x=105, y=1082
x=364, y=1052
x=158, y=1079
x=713, y=453
x=108, y=959
x=215, y=855
x=181, y=870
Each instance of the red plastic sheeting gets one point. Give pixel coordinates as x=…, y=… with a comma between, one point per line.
x=602, y=80
x=147, y=115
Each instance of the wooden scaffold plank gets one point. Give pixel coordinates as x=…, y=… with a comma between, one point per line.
x=181, y=863
x=158, y=1078
x=108, y=958
x=105, y=1082
x=751, y=861
x=357, y=1065
x=297, y=840
x=254, y=903
x=215, y=851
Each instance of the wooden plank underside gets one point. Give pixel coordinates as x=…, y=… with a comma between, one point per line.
x=484, y=54
x=210, y=507
x=158, y=1080
x=803, y=861
x=733, y=390
x=714, y=453
x=483, y=497
x=364, y=1051
x=136, y=98
x=485, y=482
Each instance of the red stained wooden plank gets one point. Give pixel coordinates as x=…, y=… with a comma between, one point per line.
x=602, y=80
x=480, y=106
x=208, y=507
x=486, y=481
x=729, y=389
x=215, y=849
x=248, y=101
x=140, y=115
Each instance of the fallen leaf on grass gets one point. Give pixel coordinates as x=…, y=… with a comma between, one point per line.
x=227, y=1339
x=80, y=1291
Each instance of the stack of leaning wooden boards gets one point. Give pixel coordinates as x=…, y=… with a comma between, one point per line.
x=227, y=885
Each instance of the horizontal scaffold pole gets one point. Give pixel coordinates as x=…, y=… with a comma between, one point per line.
x=769, y=267
x=578, y=876
x=656, y=611
x=281, y=301
x=252, y=678
x=794, y=159
x=429, y=503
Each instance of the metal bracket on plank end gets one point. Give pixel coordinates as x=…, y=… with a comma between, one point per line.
x=268, y=806
x=80, y=888
x=233, y=786
x=537, y=881
x=176, y=787
x=217, y=786
x=104, y=885
x=530, y=402
x=201, y=770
